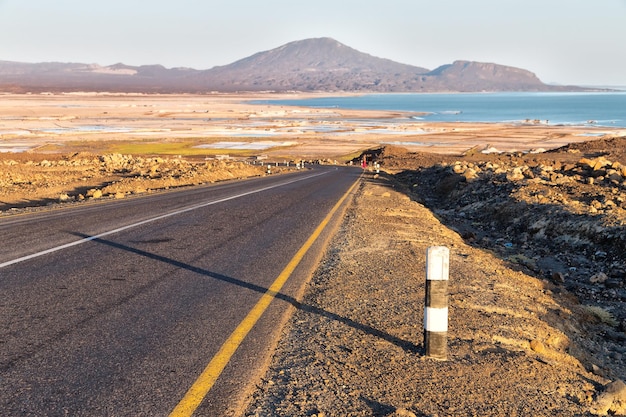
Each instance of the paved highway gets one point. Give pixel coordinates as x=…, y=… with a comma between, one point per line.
x=142, y=307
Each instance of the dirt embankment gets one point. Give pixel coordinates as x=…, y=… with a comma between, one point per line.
x=537, y=317
x=560, y=215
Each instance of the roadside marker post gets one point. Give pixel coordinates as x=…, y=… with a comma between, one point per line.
x=436, y=302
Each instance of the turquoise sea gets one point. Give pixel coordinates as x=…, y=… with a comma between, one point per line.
x=584, y=109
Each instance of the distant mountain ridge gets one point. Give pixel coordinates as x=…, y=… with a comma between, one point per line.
x=319, y=64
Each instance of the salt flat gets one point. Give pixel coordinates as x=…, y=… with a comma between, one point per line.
x=53, y=122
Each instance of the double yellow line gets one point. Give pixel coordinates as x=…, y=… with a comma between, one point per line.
x=206, y=380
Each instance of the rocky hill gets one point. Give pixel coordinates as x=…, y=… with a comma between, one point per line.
x=478, y=76
x=320, y=64
x=314, y=64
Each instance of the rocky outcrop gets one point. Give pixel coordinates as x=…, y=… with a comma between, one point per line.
x=572, y=212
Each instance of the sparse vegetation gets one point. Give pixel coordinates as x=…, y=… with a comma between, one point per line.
x=173, y=148
x=602, y=314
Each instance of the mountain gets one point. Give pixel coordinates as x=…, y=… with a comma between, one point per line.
x=312, y=64
x=320, y=64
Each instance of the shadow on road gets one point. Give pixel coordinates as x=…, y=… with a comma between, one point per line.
x=404, y=344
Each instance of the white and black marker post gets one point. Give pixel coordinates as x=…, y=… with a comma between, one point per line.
x=436, y=303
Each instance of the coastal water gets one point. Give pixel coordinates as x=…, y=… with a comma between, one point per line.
x=589, y=108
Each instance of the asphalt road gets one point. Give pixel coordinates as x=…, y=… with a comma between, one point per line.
x=116, y=308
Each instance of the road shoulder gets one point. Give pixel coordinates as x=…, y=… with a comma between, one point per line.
x=354, y=346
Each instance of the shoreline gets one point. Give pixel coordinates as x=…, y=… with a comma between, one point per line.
x=56, y=123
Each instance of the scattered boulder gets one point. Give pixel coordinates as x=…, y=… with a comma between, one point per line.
x=403, y=412
x=537, y=346
x=598, y=278
x=612, y=399
x=94, y=193
x=515, y=175
x=558, y=277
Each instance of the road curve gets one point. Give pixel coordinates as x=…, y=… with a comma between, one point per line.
x=117, y=308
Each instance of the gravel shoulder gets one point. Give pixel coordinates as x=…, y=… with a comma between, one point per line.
x=354, y=346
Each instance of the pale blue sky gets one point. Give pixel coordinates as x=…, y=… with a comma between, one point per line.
x=565, y=41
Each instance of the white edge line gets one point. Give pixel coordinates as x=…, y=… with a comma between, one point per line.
x=163, y=216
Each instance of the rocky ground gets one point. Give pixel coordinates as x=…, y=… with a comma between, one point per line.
x=537, y=291
x=537, y=317
x=559, y=215
x=31, y=180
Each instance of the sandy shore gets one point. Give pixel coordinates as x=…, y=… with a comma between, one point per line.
x=54, y=123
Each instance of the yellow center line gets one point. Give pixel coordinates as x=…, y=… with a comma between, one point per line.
x=206, y=380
